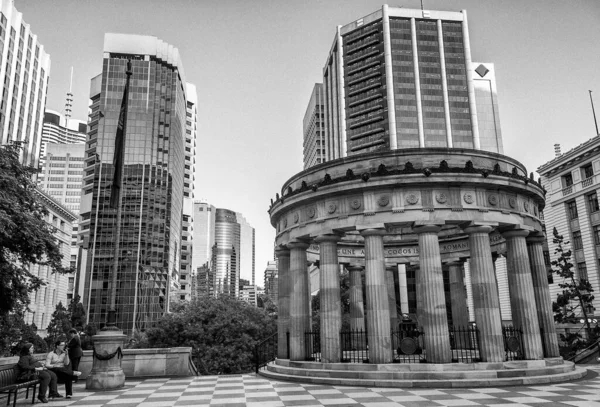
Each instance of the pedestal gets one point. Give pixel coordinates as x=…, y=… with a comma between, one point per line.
x=107, y=374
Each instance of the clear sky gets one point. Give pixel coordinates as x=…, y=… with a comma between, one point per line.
x=254, y=64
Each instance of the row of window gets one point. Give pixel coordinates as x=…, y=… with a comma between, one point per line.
x=592, y=204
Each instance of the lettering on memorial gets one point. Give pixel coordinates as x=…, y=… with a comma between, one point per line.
x=403, y=251
x=452, y=247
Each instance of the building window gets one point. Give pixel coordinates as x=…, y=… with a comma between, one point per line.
x=567, y=180
x=546, y=257
x=597, y=234
x=593, y=202
x=572, y=210
x=587, y=171
x=582, y=270
x=577, y=242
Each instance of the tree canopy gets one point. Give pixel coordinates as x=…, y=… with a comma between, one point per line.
x=222, y=331
x=25, y=236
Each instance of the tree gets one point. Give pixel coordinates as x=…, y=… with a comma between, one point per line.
x=76, y=313
x=222, y=331
x=344, y=302
x=576, y=296
x=25, y=237
x=60, y=324
x=14, y=332
x=264, y=301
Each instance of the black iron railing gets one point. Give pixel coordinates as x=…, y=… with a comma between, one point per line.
x=513, y=342
x=408, y=344
x=354, y=346
x=464, y=344
x=265, y=352
x=312, y=345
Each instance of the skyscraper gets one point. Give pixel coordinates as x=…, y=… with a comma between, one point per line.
x=24, y=71
x=57, y=129
x=247, y=249
x=152, y=190
x=401, y=78
x=203, y=235
x=226, y=253
x=313, y=127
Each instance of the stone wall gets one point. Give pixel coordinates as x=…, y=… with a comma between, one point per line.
x=138, y=362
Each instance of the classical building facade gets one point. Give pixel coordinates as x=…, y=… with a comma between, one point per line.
x=572, y=184
x=24, y=73
x=153, y=181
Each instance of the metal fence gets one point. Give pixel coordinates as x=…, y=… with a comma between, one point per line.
x=266, y=351
x=354, y=346
x=312, y=345
x=513, y=342
x=464, y=344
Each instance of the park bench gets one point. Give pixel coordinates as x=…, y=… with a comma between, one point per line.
x=10, y=385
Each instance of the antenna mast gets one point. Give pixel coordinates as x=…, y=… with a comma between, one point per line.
x=594, y=113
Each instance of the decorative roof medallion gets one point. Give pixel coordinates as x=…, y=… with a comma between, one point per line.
x=512, y=201
x=493, y=199
x=355, y=203
x=526, y=206
x=284, y=223
x=441, y=198
x=311, y=212
x=296, y=217
x=468, y=198
x=412, y=199
x=383, y=200
x=331, y=208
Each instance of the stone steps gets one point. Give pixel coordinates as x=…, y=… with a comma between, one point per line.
x=446, y=376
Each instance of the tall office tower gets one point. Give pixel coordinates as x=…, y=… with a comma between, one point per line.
x=401, y=78
x=61, y=177
x=24, y=72
x=225, y=260
x=187, y=227
x=44, y=300
x=153, y=181
x=313, y=127
x=204, y=234
x=271, y=287
x=247, y=249
x=61, y=130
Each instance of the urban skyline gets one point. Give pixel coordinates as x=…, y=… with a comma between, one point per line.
x=527, y=73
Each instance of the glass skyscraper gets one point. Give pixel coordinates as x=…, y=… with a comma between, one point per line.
x=152, y=190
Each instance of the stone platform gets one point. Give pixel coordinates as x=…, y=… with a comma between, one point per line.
x=451, y=375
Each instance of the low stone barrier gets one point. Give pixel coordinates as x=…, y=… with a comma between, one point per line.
x=159, y=362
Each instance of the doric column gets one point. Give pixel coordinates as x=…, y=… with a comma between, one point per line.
x=357, y=310
x=485, y=295
x=283, y=300
x=331, y=312
x=378, y=316
x=391, y=294
x=541, y=290
x=522, y=297
x=430, y=288
x=299, y=305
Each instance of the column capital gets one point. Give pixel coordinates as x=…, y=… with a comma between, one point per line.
x=373, y=232
x=355, y=267
x=471, y=229
x=282, y=251
x=297, y=244
x=327, y=237
x=536, y=238
x=432, y=228
x=391, y=267
x=512, y=233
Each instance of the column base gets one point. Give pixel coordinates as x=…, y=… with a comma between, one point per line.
x=107, y=373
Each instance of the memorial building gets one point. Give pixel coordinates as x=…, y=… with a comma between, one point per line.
x=411, y=181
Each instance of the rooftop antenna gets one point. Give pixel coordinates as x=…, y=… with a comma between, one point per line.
x=594, y=113
x=69, y=103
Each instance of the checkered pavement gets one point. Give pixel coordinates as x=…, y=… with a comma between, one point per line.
x=255, y=391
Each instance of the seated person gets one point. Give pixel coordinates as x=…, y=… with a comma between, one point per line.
x=58, y=362
x=29, y=369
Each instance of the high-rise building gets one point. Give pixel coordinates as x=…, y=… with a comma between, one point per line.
x=184, y=292
x=572, y=182
x=204, y=234
x=271, y=287
x=401, y=78
x=24, y=72
x=313, y=127
x=152, y=190
x=44, y=300
x=226, y=253
x=57, y=129
x=247, y=249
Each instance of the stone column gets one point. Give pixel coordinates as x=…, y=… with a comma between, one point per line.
x=357, y=311
x=541, y=290
x=522, y=297
x=430, y=288
x=485, y=295
x=283, y=300
x=378, y=316
x=331, y=312
x=391, y=290
x=299, y=306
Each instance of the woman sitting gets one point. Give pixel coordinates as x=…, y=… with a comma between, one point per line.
x=58, y=362
x=29, y=369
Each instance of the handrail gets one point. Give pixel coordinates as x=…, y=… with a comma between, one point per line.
x=265, y=351
x=595, y=344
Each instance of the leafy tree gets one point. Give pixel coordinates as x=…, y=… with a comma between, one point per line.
x=76, y=313
x=60, y=324
x=575, y=299
x=14, y=332
x=344, y=301
x=265, y=302
x=25, y=237
x=222, y=331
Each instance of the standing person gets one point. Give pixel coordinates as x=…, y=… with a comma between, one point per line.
x=58, y=362
x=29, y=368
x=75, y=351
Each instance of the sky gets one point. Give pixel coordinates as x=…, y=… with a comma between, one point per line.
x=254, y=64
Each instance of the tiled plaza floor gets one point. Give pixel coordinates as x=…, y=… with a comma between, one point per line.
x=251, y=390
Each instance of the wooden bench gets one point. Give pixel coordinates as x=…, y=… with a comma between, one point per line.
x=10, y=385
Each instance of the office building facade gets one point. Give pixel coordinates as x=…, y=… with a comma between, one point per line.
x=401, y=78
x=226, y=253
x=247, y=249
x=313, y=128
x=153, y=181
x=59, y=129
x=24, y=73
x=203, y=234
x=572, y=182
x=270, y=281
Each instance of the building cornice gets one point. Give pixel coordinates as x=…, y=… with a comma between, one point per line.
x=56, y=206
x=566, y=159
